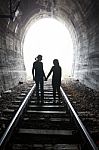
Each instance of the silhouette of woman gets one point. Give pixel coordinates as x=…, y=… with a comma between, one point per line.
x=56, y=78
x=38, y=76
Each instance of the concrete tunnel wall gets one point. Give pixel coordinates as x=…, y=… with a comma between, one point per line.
x=81, y=19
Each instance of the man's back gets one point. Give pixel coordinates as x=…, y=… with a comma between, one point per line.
x=38, y=67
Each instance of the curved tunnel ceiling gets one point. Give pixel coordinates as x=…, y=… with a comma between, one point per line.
x=65, y=11
x=81, y=19
x=70, y=12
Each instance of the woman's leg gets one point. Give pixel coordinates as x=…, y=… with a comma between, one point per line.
x=37, y=89
x=58, y=90
x=54, y=92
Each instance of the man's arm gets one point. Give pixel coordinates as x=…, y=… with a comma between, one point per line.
x=33, y=72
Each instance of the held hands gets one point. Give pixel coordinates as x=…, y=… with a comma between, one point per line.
x=45, y=79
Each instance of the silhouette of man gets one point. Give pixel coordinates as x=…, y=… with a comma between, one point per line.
x=38, y=76
x=56, y=78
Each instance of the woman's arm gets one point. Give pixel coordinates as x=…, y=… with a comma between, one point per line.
x=50, y=72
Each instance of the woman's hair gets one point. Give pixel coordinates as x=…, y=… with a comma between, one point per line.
x=39, y=57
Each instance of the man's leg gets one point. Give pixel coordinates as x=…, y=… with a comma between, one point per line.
x=42, y=90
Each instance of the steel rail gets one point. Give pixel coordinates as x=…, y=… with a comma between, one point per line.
x=7, y=134
x=84, y=130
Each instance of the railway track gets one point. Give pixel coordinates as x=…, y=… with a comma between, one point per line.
x=47, y=126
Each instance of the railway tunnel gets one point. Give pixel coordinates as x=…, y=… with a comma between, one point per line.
x=80, y=18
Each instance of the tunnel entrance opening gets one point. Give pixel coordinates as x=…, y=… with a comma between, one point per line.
x=52, y=40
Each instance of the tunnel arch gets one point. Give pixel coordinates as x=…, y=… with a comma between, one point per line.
x=37, y=17
x=44, y=15
x=81, y=19
x=62, y=16
x=52, y=39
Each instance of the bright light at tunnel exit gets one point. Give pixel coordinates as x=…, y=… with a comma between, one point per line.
x=52, y=40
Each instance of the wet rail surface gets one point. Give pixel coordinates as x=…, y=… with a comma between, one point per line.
x=44, y=126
